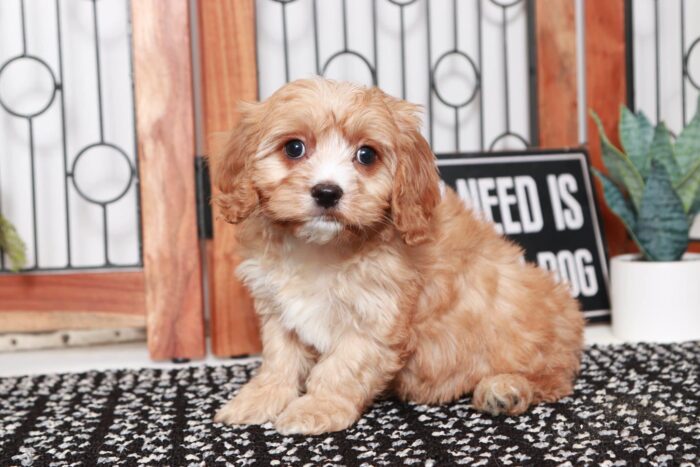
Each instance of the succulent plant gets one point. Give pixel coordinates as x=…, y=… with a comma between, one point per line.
x=653, y=186
x=12, y=244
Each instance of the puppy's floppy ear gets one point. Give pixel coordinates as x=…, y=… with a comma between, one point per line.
x=416, y=189
x=231, y=167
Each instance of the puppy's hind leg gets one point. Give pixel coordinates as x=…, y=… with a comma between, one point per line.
x=506, y=393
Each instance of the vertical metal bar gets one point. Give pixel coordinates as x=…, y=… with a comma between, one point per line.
x=580, y=20
x=63, y=133
x=97, y=65
x=285, y=42
x=24, y=28
x=455, y=38
x=104, y=234
x=506, y=94
x=316, y=51
x=35, y=226
x=481, y=71
x=455, y=42
x=430, y=74
x=456, y=129
x=375, y=41
x=684, y=110
x=532, y=72
x=137, y=179
x=403, y=53
x=629, y=53
x=345, y=26
x=656, y=60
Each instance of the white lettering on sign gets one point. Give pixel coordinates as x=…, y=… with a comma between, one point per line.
x=575, y=268
x=483, y=195
x=567, y=211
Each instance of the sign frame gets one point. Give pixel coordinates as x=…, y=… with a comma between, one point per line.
x=551, y=155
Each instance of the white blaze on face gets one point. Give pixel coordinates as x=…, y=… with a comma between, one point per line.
x=332, y=162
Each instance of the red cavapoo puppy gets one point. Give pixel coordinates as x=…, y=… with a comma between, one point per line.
x=367, y=279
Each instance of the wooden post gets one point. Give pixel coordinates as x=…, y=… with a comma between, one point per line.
x=606, y=90
x=229, y=74
x=557, y=100
x=165, y=133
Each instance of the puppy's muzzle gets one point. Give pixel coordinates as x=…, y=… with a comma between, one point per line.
x=326, y=195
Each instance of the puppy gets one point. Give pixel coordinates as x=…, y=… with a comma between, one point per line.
x=368, y=280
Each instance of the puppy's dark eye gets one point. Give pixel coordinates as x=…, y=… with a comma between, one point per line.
x=366, y=155
x=295, y=149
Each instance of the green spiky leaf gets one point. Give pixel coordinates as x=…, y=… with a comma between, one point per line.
x=620, y=206
x=620, y=168
x=688, y=187
x=695, y=208
x=636, y=135
x=661, y=150
x=12, y=245
x=617, y=201
x=687, y=148
x=662, y=225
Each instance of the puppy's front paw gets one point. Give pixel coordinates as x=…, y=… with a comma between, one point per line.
x=311, y=415
x=256, y=404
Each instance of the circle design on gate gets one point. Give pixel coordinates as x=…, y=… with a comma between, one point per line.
x=441, y=95
x=350, y=54
x=402, y=3
x=504, y=136
x=27, y=65
x=686, y=64
x=102, y=188
x=503, y=4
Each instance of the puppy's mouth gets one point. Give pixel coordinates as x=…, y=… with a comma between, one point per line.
x=320, y=229
x=330, y=215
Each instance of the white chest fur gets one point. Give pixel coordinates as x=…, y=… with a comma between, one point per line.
x=301, y=287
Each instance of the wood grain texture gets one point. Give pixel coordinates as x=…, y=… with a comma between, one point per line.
x=93, y=292
x=606, y=90
x=165, y=132
x=227, y=29
x=57, y=320
x=556, y=73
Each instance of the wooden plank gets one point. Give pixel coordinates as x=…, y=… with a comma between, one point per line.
x=100, y=292
x=59, y=320
x=555, y=31
x=229, y=74
x=606, y=90
x=165, y=127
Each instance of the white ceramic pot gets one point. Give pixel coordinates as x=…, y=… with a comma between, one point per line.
x=655, y=301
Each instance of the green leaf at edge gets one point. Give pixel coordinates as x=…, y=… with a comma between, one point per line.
x=636, y=135
x=620, y=168
x=687, y=147
x=12, y=245
x=620, y=206
x=662, y=225
x=694, y=209
x=688, y=188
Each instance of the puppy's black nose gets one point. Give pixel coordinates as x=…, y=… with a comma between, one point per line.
x=326, y=195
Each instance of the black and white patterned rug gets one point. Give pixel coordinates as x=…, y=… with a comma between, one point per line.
x=633, y=404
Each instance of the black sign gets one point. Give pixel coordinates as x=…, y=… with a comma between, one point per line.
x=545, y=202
